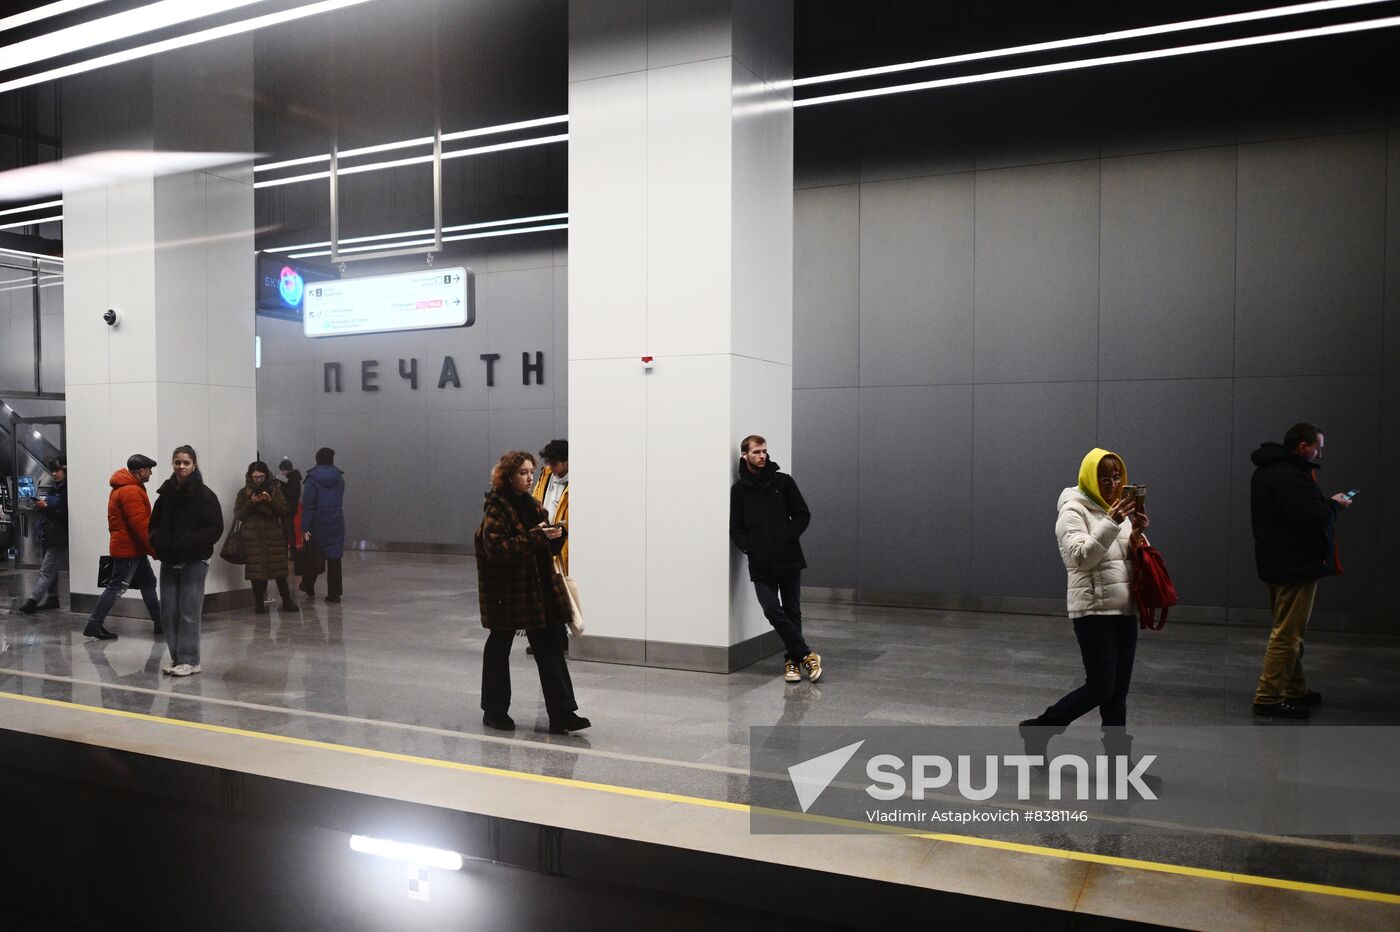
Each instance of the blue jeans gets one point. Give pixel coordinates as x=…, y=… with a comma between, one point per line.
x=782, y=605
x=127, y=572
x=1107, y=643
x=181, y=608
x=49, y=567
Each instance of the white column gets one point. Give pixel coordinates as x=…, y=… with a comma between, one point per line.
x=174, y=256
x=680, y=247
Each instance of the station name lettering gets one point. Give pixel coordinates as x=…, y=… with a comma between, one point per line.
x=531, y=372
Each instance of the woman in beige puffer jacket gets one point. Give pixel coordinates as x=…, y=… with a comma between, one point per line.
x=1096, y=540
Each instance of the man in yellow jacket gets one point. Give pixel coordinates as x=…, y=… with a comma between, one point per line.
x=552, y=491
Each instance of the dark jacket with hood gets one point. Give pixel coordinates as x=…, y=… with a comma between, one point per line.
x=264, y=544
x=186, y=522
x=1292, y=520
x=322, y=498
x=53, y=519
x=515, y=576
x=766, y=517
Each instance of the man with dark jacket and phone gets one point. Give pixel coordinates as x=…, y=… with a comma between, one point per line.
x=1294, y=547
x=766, y=517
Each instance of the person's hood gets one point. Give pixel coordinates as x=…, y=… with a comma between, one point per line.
x=1089, y=475
x=326, y=476
x=123, y=477
x=170, y=486
x=1270, y=453
x=760, y=478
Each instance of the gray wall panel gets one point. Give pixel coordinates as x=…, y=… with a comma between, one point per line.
x=559, y=362
x=1167, y=286
x=458, y=438
x=1175, y=436
x=916, y=281
x=1037, y=281
x=396, y=461
x=1028, y=442
x=914, y=494
x=527, y=328
x=826, y=287
x=1310, y=256
x=517, y=429
x=827, y=469
x=1343, y=406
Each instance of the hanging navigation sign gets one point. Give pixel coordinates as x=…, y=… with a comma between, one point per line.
x=423, y=300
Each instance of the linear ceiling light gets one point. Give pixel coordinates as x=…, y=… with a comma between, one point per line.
x=420, y=141
x=1338, y=29
x=44, y=12
x=1252, y=16
x=27, y=223
x=429, y=242
x=7, y=251
x=21, y=210
x=125, y=25
x=179, y=42
x=414, y=160
x=452, y=229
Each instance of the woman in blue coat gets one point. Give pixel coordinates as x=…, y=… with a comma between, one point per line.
x=323, y=522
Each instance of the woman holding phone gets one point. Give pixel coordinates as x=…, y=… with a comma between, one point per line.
x=261, y=508
x=520, y=591
x=1097, y=527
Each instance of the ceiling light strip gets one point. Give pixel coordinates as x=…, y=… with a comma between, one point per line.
x=125, y=25
x=27, y=223
x=1142, y=32
x=414, y=160
x=179, y=42
x=452, y=229
x=44, y=12
x=420, y=141
x=445, y=239
x=7, y=251
x=1338, y=29
x=21, y=210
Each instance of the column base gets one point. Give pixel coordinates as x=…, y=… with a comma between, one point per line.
x=699, y=657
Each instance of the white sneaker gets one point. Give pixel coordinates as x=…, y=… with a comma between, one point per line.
x=169, y=668
x=195, y=668
x=181, y=669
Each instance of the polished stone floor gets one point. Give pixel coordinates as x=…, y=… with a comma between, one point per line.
x=396, y=667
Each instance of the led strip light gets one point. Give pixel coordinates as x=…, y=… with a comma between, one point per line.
x=28, y=223
x=429, y=242
x=413, y=160
x=44, y=12
x=21, y=210
x=1165, y=28
x=453, y=229
x=1335, y=30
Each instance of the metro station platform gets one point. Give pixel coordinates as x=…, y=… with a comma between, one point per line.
x=232, y=793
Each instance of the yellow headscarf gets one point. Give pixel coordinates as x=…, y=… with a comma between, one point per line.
x=1089, y=475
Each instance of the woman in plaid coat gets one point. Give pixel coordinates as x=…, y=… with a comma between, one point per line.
x=520, y=591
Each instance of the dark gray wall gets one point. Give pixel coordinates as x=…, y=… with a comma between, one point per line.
x=417, y=462
x=1174, y=265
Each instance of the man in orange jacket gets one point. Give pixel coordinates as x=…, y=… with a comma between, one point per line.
x=128, y=523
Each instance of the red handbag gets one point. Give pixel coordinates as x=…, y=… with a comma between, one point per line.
x=1153, y=588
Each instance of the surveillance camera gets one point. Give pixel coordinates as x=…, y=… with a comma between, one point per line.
x=111, y=317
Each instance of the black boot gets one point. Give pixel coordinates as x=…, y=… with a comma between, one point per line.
x=571, y=722
x=1036, y=734
x=50, y=603
x=1118, y=746
x=29, y=607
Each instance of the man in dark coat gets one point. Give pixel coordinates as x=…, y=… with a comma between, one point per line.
x=323, y=523
x=1294, y=547
x=766, y=517
x=53, y=539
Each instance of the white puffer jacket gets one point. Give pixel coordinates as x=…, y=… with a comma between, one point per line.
x=1097, y=557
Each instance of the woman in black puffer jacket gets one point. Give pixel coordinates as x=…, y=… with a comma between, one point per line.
x=186, y=524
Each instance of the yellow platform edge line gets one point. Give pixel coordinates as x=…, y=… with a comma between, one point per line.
x=1018, y=847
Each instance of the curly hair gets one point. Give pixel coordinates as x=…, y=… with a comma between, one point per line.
x=507, y=467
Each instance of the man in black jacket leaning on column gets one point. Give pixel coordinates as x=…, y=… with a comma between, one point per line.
x=766, y=517
x=1293, y=548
